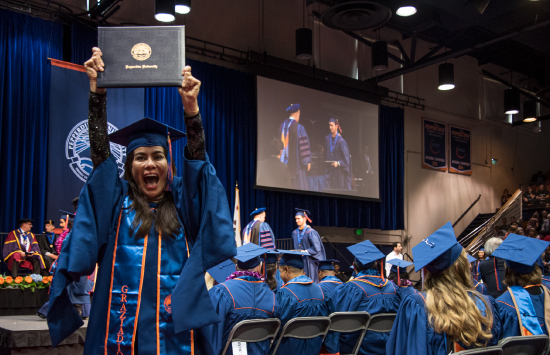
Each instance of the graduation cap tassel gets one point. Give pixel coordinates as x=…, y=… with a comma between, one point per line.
x=496, y=273
x=308, y=219
x=398, y=277
x=382, y=270
x=339, y=127
x=67, y=222
x=170, y=176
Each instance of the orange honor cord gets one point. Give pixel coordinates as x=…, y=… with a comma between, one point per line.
x=158, y=292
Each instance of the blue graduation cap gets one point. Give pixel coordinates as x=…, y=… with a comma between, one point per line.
x=326, y=264
x=365, y=254
x=438, y=251
x=293, y=108
x=336, y=120
x=257, y=211
x=471, y=259
x=399, y=266
x=271, y=256
x=248, y=256
x=221, y=272
x=65, y=214
x=293, y=258
x=521, y=253
x=303, y=213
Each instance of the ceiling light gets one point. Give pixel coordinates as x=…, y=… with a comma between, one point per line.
x=165, y=10
x=183, y=6
x=406, y=11
x=446, y=76
x=304, y=43
x=530, y=111
x=379, y=55
x=511, y=101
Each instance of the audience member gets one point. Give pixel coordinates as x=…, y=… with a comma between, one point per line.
x=520, y=231
x=395, y=253
x=369, y=292
x=529, y=197
x=340, y=274
x=448, y=315
x=498, y=230
x=513, y=221
x=492, y=269
x=525, y=298
x=538, y=177
x=543, y=219
x=299, y=297
x=46, y=242
x=511, y=229
x=505, y=196
x=243, y=296
x=545, y=260
x=504, y=225
x=542, y=195
x=327, y=276
x=400, y=277
x=21, y=250
x=532, y=233
x=534, y=221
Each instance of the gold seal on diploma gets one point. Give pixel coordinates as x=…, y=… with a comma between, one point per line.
x=141, y=51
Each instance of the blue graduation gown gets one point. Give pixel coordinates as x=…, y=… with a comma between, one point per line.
x=311, y=242
x=404, y=291
x=338, y=178
x=412, y=333
x=329, y=283
x=300, y=297
x=480, y=287
x=280, y=281
x=363, y=293
x=546, y=281
x=174, y=295
x=237, y=300
x=296, y=152
x=508, y=315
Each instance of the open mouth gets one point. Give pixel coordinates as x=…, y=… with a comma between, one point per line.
x=151, y=181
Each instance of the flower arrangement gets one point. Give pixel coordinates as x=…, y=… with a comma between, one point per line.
x=31, y=282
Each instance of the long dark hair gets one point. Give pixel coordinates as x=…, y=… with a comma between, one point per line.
x=166, y=217
x=270, y=270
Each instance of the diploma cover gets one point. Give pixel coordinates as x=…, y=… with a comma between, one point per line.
x=141, y=56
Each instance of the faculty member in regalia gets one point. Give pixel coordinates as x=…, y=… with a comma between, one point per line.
x=296, y=152
x=152, y=234
x=339, y=173
x=21, y=250
x=258, y=231
x=306, y=238
x=47, y=244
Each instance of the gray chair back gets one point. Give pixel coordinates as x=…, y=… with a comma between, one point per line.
x=252, y=331
x=490, y=350
x=381, y=322
x=348, y=322
x=304, y=328
x=524, y=345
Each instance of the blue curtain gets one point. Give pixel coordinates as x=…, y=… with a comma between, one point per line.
x=83, y=38
x=228, y=107
x=25, y=45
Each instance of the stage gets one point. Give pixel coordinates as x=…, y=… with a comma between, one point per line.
x=29, y=335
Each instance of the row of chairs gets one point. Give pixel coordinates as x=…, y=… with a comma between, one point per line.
x=255, y=330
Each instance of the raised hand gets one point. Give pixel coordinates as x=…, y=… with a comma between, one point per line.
x=189, y=91
x=93, y=65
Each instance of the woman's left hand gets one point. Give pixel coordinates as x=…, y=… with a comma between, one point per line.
x=189, y=91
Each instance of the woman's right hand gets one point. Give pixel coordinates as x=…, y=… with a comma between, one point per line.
x=94, y=65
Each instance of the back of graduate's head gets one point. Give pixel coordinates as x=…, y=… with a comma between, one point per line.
x=514, y=278
x=361, y=267
x=289, y=272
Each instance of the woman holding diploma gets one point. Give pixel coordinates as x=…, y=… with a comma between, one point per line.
x=153, y=235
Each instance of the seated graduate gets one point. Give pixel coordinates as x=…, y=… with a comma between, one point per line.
x=370, y=291
x=243, y=296
x=272, y=273
x=479, y=286
x=400, y=277
x=327, y=276
x=21, y=250
x=448, y=315
x=491, y=270
x=46, y=242
x=299, y=297
x=522, y=306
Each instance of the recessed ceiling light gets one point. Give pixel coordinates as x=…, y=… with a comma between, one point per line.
x=406, y=11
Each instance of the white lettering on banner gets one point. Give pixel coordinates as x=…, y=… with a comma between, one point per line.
x=239, y=348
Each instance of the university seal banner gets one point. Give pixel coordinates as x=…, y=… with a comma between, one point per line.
x=69, y=162
x=460, y=159
x=434, y=155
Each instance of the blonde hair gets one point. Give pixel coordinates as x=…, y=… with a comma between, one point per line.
x=452, y=310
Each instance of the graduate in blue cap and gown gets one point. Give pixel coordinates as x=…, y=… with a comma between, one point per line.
x=258, y=231
x=400, y=277
x=296, y=152
x=339, y=173
x=448, y=315
x=479, y=286
x=327, y=276
x=272, y=274
x=299, y=297
x=477, y=262
x=307, y=239
x=522, y=306
x=371, y=292
x=244, y=295
x=152, y=234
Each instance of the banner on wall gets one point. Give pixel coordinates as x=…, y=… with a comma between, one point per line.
x=460, y=158
x=69, y=163
x=434, y=155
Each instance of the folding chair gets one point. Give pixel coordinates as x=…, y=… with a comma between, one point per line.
x=491, y=350
x=381, y=322
x=524, y=345
x=348, y=322
x=304, y=328
x=252, y=331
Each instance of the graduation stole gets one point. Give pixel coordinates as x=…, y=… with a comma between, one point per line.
x=284, y=139
x=527, y=317
x=372, y=283
x=248, y=231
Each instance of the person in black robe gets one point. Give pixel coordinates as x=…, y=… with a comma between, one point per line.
x=46, y=242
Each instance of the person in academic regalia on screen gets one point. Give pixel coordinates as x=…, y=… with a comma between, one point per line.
x=307, y=239
x=21, y=250
x=448, y=315
x=258, y=231
x=522, y=307
x=154, y=235
x=339, y=173
x=297, y=152
x=371, y=292
x=400, y=277
x=326, y=275
x=299, y=297
x=242, y=295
